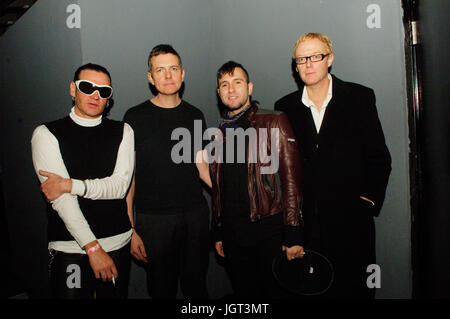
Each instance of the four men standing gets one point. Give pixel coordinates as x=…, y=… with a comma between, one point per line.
x=327, y=148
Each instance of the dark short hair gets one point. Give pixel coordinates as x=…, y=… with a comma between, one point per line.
x=162, y=49
x=90, y=66
x=228, y=68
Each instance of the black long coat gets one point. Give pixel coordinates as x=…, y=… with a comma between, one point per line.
x=346, y=160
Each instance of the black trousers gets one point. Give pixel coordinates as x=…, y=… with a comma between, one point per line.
x=71, y=276
x=349, y=244
x=177, y=246
x=250, y=268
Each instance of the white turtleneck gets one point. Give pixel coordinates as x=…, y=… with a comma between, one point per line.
x=47, y=157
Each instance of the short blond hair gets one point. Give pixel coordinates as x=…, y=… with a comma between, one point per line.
x=311, y=35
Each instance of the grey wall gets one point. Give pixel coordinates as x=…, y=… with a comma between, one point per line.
x=259, y=34
x=121, y=34
x=38, y=57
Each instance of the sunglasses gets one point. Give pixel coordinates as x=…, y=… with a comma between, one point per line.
x=89, y=88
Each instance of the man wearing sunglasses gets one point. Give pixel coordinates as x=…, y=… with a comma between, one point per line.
x=346, y=164
x=171, y=226
x=85, y=163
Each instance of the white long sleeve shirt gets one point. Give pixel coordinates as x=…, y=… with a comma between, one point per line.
x=47, y=157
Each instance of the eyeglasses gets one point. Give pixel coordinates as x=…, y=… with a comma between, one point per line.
x=312, y=58
x=89, y=88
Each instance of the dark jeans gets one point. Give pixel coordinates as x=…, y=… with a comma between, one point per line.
x=71, y=276
x=177, y=246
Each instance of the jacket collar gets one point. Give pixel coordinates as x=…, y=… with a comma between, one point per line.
x=339, y=92
x=252, y=111
x=339, y=88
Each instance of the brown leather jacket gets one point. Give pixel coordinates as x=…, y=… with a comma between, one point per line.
x=273, y=193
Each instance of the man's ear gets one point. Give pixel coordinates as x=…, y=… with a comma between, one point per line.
x=330, y=59
x=150, y=78
x=73, y=89
x=250, y=88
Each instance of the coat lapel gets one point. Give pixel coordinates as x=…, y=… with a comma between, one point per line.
x=331, y=117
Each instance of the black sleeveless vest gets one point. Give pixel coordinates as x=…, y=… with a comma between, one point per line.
x=90, y=153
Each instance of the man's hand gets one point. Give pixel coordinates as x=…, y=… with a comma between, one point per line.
x=219, y=249
x=137, y=248
x=55, y=185
x=201, y=160
x=294, y=252
x=101, y=263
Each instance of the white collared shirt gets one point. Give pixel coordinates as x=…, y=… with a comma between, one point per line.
x=318, y=115
x=47, y=157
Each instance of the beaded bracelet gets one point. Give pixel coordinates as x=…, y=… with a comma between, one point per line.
x=93, y=249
